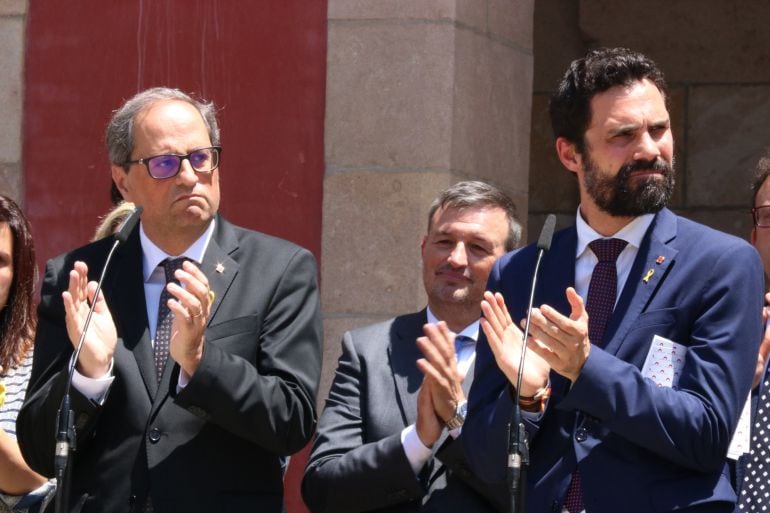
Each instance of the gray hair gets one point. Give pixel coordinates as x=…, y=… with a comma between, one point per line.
x=474, y=193
x=120, y=129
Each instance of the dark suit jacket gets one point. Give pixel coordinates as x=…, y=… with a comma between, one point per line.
x=220, y=443
x=358, y=462
x=639, y=447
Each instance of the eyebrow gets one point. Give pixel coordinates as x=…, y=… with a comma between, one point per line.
x=633, y=127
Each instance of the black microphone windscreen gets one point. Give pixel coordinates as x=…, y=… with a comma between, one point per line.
x=128, y=225
x=546, y=234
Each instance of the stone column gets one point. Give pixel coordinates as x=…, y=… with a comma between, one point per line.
x=420, y=95
x=12, y=22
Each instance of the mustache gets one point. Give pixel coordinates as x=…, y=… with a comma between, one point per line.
x=657, y=164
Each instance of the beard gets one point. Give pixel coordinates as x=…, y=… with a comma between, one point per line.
x=624, y=196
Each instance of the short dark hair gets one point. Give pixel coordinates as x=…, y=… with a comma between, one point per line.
x=601, y=69
x=18, y=319
x=120, y=129
x=760, y=175
x=473, y=193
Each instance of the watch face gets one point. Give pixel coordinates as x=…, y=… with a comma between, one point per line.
x=462, y=409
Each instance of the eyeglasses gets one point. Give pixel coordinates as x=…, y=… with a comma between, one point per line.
x=761, y=216
x=160, y=167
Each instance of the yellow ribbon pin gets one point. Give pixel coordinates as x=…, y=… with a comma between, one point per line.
x=648, y=275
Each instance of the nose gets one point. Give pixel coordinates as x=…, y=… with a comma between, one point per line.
x=647, y=149
x=458, y=257
x=186, y=175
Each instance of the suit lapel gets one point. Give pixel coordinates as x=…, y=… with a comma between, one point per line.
x=403, y=354
x=218, y=266
x=648, y=272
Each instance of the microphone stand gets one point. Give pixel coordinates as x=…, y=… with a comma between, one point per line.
x=518, y=441
x=66, y=439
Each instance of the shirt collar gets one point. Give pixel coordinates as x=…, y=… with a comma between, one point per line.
x=152, y=255
x=632, y=233
x=470, y=331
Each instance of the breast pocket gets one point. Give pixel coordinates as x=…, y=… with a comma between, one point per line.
x=238, y=336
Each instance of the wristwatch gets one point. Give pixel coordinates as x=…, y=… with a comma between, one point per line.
x=460, y=411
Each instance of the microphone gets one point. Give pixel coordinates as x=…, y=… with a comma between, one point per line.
x=518, y=449
x=65, y=430
x=128, y=224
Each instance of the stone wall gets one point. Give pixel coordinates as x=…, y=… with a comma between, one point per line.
x=419, y=95
x=12, y=22
x=715, y=60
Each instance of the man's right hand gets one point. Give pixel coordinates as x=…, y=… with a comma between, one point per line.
x=99, y=344
x=506, y=342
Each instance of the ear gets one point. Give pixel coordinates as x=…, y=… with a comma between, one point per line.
x=754, y=236
x=120, y=177
x=422, y=245
x=568, y=155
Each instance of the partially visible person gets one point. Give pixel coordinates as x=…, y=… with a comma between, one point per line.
x=752, y=475
x=388, y=438
x=21, y=489
x=111, y=221
x=649, y=322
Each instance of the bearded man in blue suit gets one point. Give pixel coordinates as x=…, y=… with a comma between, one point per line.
x=615, y=434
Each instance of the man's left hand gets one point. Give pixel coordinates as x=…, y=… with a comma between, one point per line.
x=562, y=341
x=191, y=306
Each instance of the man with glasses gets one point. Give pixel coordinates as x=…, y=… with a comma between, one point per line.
x=200, y=368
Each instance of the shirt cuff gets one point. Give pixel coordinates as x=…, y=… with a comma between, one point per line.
x=417, y=454
x=94, y=389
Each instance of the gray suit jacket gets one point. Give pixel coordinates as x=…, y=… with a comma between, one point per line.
x=358, y=462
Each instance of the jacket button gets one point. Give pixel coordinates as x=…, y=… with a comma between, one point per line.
x=581, y=435
x=154, y=435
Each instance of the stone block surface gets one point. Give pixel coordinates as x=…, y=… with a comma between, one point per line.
x=389, y=95
x=696, y=41
x=13, y=7
x=727, y=133
x=392, y=9
x=373, y=226
x=492, y=103
x=511, y=20
x=11, y=182
x=552, y=188
x=472, y=13
x=11, y=64
x=557, y=41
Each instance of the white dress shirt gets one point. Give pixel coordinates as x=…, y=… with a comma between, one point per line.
x=416, y=452
x=585, y=259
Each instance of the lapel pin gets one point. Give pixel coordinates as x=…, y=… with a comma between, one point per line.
x=660, y=259
x=648, y=275
x=219, y=268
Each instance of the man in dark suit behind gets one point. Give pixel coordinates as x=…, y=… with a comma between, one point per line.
x=382, y=443
x=651, y=365
x=206, y=425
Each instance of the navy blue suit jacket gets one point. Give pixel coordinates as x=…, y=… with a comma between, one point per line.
x=639, y=447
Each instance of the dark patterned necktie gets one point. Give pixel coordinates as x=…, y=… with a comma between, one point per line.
x=165, y=318
x=602, y=292
x=755, y=492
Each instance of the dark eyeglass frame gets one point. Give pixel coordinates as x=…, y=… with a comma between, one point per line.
x=755, y=216
x=146, y=161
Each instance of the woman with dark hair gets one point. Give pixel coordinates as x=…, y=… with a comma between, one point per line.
x=21, y=489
